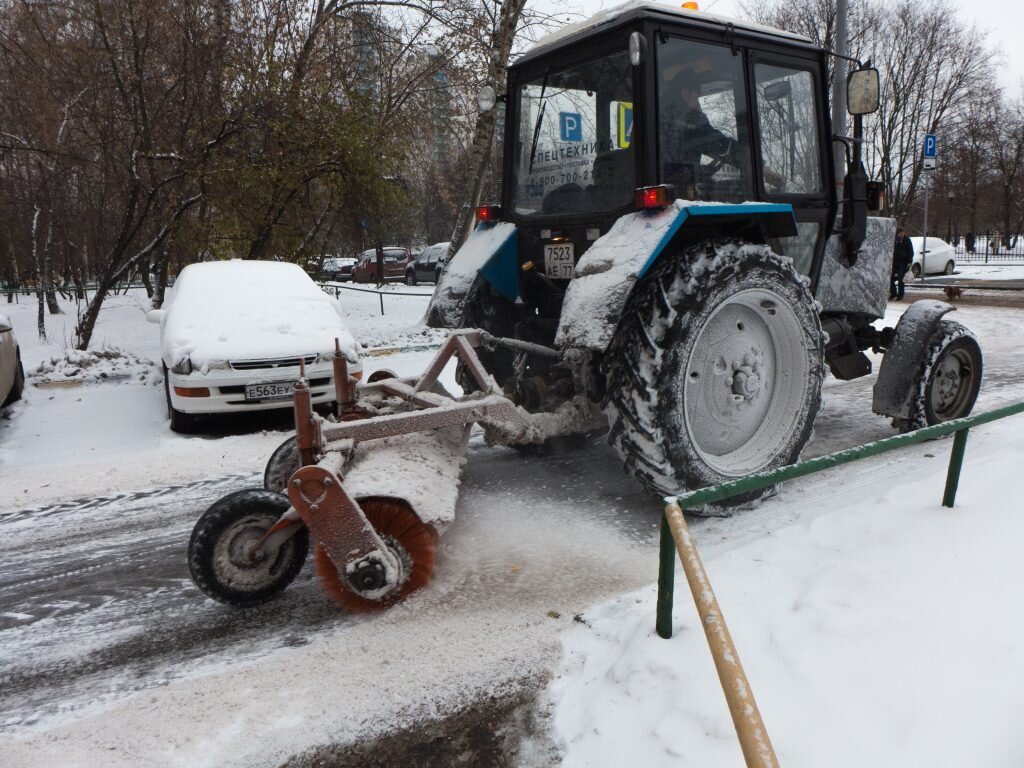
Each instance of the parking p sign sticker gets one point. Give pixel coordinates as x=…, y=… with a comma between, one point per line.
x=570, y=126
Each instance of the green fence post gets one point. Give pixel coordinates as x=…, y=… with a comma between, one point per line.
x=956, y=460
x=666, y=580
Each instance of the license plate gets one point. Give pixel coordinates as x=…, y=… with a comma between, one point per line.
x=277, y=391
x=559, y=260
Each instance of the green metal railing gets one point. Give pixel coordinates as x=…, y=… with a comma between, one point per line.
x=957, y=427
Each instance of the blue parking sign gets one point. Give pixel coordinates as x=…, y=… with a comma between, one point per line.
x=931, y=145
x=570, y=126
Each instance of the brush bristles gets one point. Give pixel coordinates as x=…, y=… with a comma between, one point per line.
x=389, y=517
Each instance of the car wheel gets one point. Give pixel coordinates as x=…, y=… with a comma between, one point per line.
x=19, y=382
x=916, y=270
x=410, y=277
x=182, y=423
x=950, y=266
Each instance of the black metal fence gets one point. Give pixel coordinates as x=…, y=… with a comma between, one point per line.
x=989, y=248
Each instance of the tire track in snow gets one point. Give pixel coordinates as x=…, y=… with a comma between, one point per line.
x=75, y=505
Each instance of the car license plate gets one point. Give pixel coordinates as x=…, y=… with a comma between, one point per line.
x=281, y=390
x=559, y=260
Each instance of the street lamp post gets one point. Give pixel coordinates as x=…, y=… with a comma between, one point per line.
x=949, y=217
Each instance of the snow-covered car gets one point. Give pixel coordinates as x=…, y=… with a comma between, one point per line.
x=938, y=258
x=234, y=333
x=12, y=374
x=337, y=268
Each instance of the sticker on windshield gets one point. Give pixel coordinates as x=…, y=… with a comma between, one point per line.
x=625, y=132
x=570, y=126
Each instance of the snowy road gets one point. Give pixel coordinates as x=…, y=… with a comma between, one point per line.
x=106, y=648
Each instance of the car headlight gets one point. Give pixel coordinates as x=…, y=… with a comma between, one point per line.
x=328, y=357
x=182, y=366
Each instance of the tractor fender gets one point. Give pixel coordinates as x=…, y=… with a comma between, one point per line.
x=895, y=384
x=492, y=251
x=606, y=273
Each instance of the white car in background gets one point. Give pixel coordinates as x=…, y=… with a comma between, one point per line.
x=939, y=258
x=234, y=333
x=12, y=374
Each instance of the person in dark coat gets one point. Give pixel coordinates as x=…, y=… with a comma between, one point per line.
x=902, y=258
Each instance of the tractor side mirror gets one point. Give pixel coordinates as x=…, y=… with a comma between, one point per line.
x=862, y=88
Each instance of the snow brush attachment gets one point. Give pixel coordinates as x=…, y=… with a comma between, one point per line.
x=410, y=539
x=369, y=556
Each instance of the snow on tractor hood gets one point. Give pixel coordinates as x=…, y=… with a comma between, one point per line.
x=238, y=310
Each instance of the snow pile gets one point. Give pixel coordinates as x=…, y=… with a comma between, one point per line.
x=94, y=366
x=878, y=631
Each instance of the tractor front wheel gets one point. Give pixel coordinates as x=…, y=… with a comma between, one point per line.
x=489, y=311
x=948, y=379
x=223, y=556
x=715, y=370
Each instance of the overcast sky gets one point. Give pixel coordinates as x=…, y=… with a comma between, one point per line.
x=1002, y=21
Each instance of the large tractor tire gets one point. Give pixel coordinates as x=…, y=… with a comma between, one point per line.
x=220, y=552
x=488, y=310
x=715, y=370
x=947, y=382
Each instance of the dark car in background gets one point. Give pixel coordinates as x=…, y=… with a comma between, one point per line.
x=427, y=266
x=337, y=268
x=395, y=260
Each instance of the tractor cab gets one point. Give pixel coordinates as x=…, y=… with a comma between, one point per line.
x=723, y=111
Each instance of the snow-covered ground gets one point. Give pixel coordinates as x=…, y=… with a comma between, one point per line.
x=875, y=626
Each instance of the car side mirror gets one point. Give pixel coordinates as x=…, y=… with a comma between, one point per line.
x=5, y=326
x=156, y=315
x=862, y=89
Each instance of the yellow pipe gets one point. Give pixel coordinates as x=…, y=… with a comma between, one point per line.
x=746, y=718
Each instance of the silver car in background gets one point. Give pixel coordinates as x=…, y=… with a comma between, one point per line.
x=12, y=374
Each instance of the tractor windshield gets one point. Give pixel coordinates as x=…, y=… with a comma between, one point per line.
x=573, y=142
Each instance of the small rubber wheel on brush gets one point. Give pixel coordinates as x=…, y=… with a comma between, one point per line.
x=220, y=551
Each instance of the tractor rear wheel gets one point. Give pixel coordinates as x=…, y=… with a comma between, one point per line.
x=715, y=370
x=947, y=382
x=222, y=555
x=409, y=538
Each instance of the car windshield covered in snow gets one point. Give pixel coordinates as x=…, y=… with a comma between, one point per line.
x=573, y=138
x=231, y=310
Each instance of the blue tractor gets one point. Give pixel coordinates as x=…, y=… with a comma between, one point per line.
x=669, y=246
